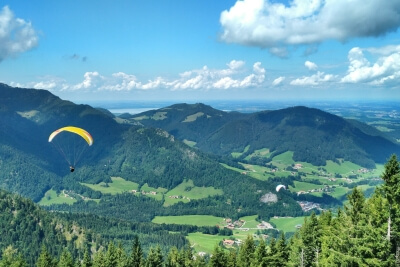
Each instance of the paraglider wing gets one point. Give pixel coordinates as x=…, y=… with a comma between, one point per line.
x=84, y=134
x=71, y=142
x=279, y=187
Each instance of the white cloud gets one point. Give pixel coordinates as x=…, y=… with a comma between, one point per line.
x=310, y=65
x=278, y=81
x=234, y=76
x=266, y=24
x=91, y=80
x=16, y=35
x=315, y=79
x=385, y=70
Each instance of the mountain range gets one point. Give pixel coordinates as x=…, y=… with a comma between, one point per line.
x=142, y=155
x=313, y=135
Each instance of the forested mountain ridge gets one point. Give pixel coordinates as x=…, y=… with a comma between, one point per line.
x=313, y=135
x=186, y=121
x=31, y=166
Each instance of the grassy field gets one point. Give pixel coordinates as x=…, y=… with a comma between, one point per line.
x=264, y=152
x=287, y=224
x=238, y=154
x=118, y=186
x=148, y=189
x=204, y=243
x=186, y=191
x=189, y=143
x=199, y=220
x=193, y=117
x=284, y=158
x=51, y=197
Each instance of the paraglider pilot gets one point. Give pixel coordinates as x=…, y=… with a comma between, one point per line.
x=72, y=168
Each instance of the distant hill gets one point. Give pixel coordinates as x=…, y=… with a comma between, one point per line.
x=186, y=121
x=313, y=135
x=31, y=166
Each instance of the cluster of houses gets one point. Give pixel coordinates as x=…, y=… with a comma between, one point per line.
x=179, y=197
x=232, y=225
x=307, y=205
x=144, y=192
x=325, y=189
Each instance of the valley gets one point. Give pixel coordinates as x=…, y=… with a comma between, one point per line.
x=191, y=171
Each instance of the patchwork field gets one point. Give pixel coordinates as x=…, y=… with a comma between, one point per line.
x=118, y=186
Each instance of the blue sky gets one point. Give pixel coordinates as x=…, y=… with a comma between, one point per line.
x=205, y=50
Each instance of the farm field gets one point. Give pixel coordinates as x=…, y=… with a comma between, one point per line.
x=118, y=186
x=51, y=197
x=287, y=224
x=186, y=191
x=199, y=220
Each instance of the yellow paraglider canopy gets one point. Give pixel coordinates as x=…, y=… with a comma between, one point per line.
x=85, y=135
x=71, y=142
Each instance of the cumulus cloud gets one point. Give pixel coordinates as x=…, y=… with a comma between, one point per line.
x=16, y=35
x=310, y=65
x=316, y=79
x=231, y=77
x=235, y=75
x=385, y=70
x=278, y=81
x=91, y=80
x=266, y=24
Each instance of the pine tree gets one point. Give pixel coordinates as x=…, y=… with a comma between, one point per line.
x=218, y=258
x=45, y=259
x=122, y=259
x=356, y=210
x=87, y=261
x=246, y=252
x=111, y=259
x=136, y=256
x=232, y=258
x=310, y=235
x=174, y=258
x=391, y=188
x=259, y=254
x=66, y=259
x=282, y=251
x=99, y=259
x=155, y=258
x=188, y=256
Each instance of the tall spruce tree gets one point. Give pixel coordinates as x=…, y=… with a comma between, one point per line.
x=246, y=252
x=391, y=188
x=45, y=259
x=136, y=257
x=218, y=258
x=155, y=258
x=86, y=261
x=66, y=259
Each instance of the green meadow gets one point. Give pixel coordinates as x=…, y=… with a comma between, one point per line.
x=287, y=224
x=51, y=197
x=186, y=191
x=204, y=243
x=118, y=186
x=199, y=220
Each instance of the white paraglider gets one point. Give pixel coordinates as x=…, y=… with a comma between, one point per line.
x=279, y=187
